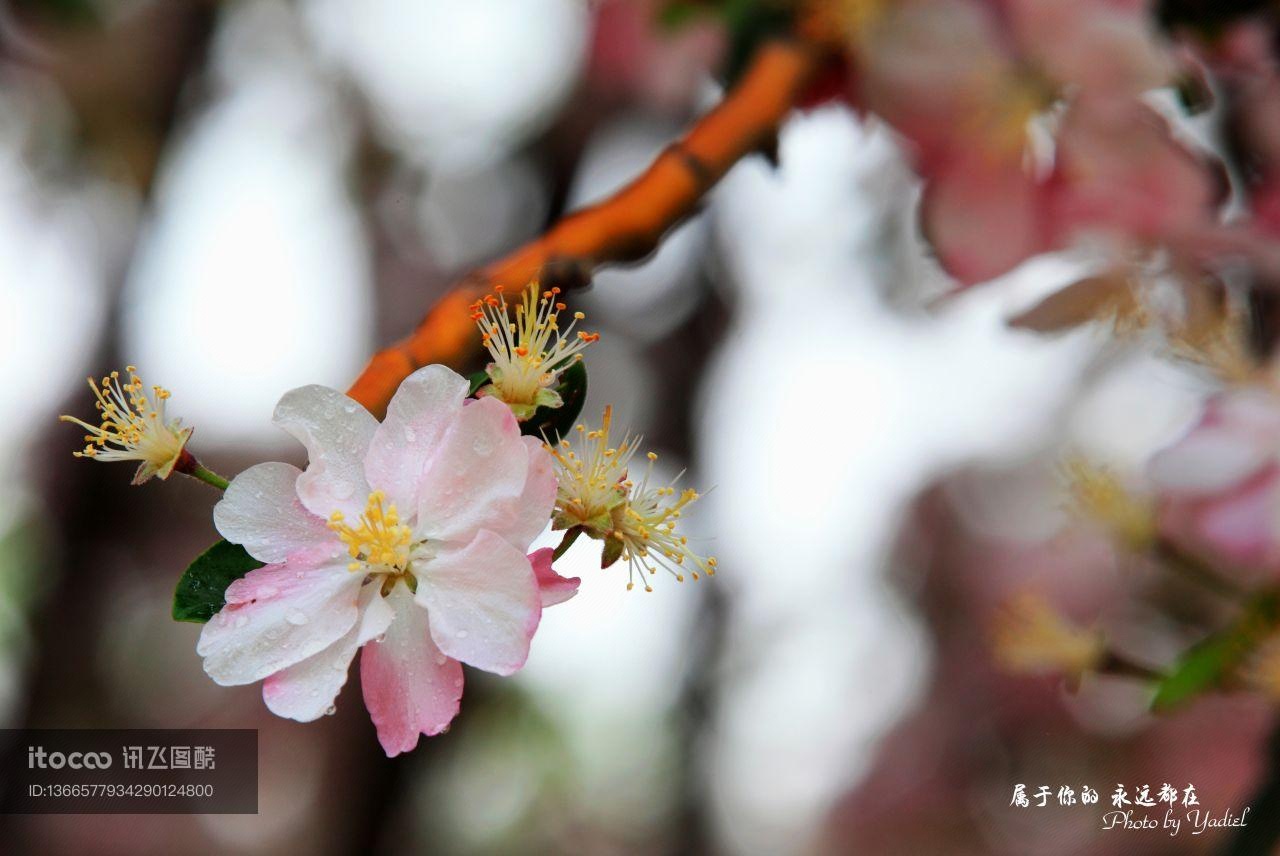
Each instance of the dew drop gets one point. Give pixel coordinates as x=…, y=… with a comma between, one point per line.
x=461, y=634
x=482, y=446
x=409, y=434
x=440, y=659
x=241, y=620
x=380, y=638
x=268, y=591
x=296, y=617
x=331, y=710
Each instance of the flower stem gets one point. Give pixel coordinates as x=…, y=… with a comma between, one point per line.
x=208, y=476
x=189, y=466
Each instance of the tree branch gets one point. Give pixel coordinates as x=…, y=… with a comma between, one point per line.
x=626, y=227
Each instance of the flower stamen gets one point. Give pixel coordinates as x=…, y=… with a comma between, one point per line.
x=531, y=352
x=637, y=521
x=380, y=543
x=132, y=427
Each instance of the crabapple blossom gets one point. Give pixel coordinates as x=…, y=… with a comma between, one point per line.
x=133, y=427
x=636, y=520
x=1219, y=485
x=405, y=538
x=529, y=353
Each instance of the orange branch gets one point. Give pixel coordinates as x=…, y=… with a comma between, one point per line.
x=626, y=227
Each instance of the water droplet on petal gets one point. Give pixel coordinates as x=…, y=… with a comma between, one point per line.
x=441, y=659
x=409, y=434
x=241, y=620
x=296, y=617
x=380, y=638
x=331, y=710
x=482, y=446
x=461, y=634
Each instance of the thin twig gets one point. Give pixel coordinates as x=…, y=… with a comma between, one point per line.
x=626, y=227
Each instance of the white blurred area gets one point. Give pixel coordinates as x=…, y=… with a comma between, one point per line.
x=253, y=276
x=456, y=83
x=56, y=237
x=823, y=414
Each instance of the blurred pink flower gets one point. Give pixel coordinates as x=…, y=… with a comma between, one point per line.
x=965, y=84
x=406, y=537
x=1220, y=484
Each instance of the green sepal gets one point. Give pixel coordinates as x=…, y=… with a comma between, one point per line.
x=202, y=589
x=477, y=379
x=552, y=423
x=611, y=553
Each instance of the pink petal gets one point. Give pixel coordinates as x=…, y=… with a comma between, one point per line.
x=1238, y=529
x=276, y=616
x=1207, y=460
x=484, y=603
x=1118, y=167
x=306, y=690
x=337, y=432
x=983, y=215
x=522, y=518
x=553, y=587
x=410, y=687
x=482, y=460
x=261, y=511
x=422, y=410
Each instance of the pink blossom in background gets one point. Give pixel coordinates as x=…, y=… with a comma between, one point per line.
x=1220, y=484
x=406, y=538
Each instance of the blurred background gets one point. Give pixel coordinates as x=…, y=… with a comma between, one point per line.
x=242, y=197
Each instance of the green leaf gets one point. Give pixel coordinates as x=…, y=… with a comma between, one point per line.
x=478, y=379
x=1208, y=664
x=201, y=591
x=1199, y=670
x=554, y=422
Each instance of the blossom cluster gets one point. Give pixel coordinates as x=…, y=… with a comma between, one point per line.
x=408, y=539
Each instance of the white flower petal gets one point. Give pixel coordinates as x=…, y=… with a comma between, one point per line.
x=307, y=690
x=422, y=410
x=261, y=511
x=337, y=432
x=482, y=460
x=484, y=603
x=276, y=616
x=1207, y=460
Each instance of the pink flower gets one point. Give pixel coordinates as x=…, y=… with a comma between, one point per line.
x=1220, y=484
x=406, y=538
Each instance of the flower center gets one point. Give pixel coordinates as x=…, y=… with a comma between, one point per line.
x=132, y=422
x=531, y=352
x=379, y=543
